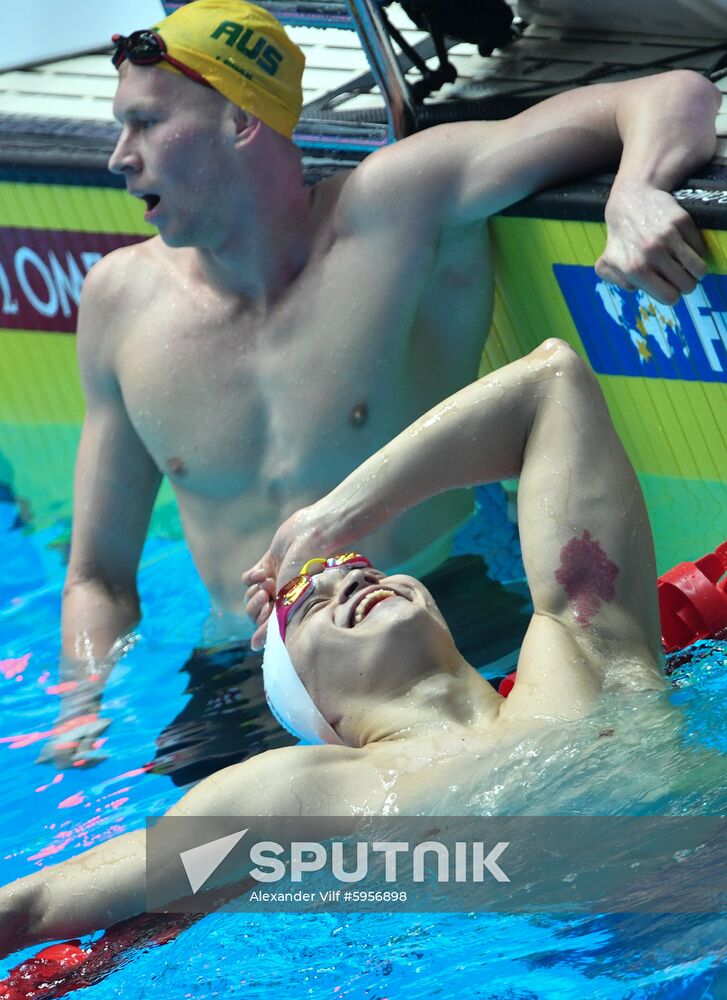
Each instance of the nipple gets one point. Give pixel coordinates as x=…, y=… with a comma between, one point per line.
x=359, y=415
x=176, y=467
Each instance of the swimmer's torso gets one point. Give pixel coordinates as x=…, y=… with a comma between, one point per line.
x=628, y=756
x=253, y=414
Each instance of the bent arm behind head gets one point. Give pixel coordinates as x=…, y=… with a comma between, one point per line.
x=584, y=530
x=477, y=435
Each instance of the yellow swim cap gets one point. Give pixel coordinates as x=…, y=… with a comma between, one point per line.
x=244, y=53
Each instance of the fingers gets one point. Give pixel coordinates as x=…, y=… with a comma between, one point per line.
x=610, y=273
x=260, y=601
x=651, y=283
x=259, y=594
x=692, y=238
x=671, y=271
x=257, y=574
x=679, y=264
x=50, y=754
x=258, y=639
x=87, y=753
x=75, y=746
x=665, y=282
x=665, y=273
x=653, y=244
x=689, y=257
x=260, y=590
x=261, y=597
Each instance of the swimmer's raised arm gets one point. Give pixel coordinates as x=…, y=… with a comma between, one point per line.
x=661, y=127
x=584, y=530
x=115, y=484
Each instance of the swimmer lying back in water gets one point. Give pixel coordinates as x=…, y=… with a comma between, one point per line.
x=385, y=684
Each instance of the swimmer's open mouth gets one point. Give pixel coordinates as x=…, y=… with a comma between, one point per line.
x=152, y=200
x=367, y=602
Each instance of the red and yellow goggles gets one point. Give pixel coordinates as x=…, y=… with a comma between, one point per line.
x=292, y=594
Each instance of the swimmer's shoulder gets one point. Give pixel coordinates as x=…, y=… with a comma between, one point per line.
x=380, y=196
x=327, y=780
x=340, y=781
x=118, y=288
x=120, y=274
x=362, y=198
x=120, y=285
x=288, y=781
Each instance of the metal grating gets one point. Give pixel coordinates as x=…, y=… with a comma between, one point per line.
x=344, y=111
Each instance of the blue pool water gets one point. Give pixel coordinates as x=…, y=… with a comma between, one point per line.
x=50, y=816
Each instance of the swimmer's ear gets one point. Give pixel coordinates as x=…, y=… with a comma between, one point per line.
x=247, y=126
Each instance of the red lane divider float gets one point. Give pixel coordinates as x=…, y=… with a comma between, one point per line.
x=61, y=968
x=693, y=600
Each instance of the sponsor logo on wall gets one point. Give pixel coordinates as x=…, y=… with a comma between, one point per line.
x=42, y=273
x=629, y=333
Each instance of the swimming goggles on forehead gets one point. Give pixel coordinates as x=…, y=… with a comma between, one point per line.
x=294, y=592
x=146, y=48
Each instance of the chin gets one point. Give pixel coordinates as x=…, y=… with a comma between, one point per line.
x=175, y=240
x=421, y=624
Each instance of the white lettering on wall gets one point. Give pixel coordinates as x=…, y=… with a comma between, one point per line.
x=24, y=258
x=9, y=302
x=49, y=283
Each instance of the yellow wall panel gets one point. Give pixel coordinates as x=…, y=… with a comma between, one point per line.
x=61, y=206
x=670, y=427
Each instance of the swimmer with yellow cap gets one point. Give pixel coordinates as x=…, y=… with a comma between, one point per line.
x=232, y=46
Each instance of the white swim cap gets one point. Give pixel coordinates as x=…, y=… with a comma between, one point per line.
x=288, y=697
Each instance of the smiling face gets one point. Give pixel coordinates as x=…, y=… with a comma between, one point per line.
x=177, y=152
x=362, y=636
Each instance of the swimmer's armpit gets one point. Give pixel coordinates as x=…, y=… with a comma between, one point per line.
x=587, y=576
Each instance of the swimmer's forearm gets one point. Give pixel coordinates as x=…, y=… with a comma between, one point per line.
x=667, y=127
x=87, y=893
x=476, y=436
x=96, y=889
x=19, y=915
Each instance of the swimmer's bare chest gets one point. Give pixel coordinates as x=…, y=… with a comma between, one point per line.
x=280, y=404
x=438, y=772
